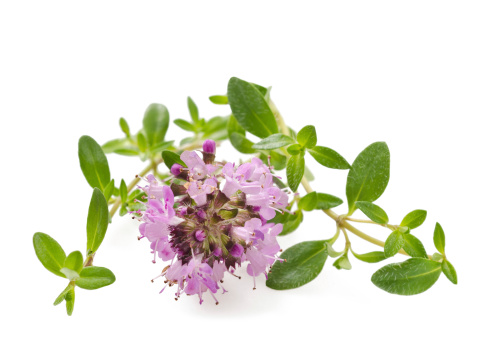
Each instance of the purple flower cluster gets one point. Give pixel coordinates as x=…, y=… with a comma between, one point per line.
x=211, y=220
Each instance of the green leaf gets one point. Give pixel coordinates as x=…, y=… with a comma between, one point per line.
x=331, y=252
x=294, y=149
x=49, y=252
x=250, y=108
x=127, y=152
x=93, y=162
x=108, y=191
x=123, y=191
x=373, y=212
x=449, y=270
x=394, y=243
x=342, y=263
x=292, y=222
x=155, y=123
x=278, y=161
x=307, y=137
x=414, y=219
x=219, y=99
x=183, y=124
x=308, y=174
x=74, y=261
x=216, y=128
x=193, y=110
x=97, y=221
x=62, y=295
x=70, y=300
x=304, y=261
x=123, y=210
x=413, y=246
x=329, y=158
x=241, y=143
x=170, y=158
x=437, y=257
x=116, y=144
x=157, y=148
x=93, y=277
x=274, y=141
x=410, y=277
x=326, y=201
x=439, y=238
x=308, y=202
x=142, y=142
x=369, y=175
x=124, y=127
x=372, y=257
x=294, y=171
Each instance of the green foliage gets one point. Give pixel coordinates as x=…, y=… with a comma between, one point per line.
x=97, y=221
x=294, y=149
x=219, y=99
x=291, y=222
x=449, y=271
x=342, y=262
x=371, y=257
x=123, y=191
x=373, y=212
x=294, y=171
x=304, y=261
x=414, y=219
x=193, y=110
x=93, y=163
x=109, y=190
x=49, y=252
x=170, y=158
x=237, y=137
x=274, y=141
x=307, y=137
x=70, y=300
x=155, y=123
x=277, y=160
x=250, y=108
x=93, y=277
x=369, y=175
x=308, y=202
x=410, y=277
x=327, y=201
x=74, y=261
x=329, y=158
x=124, y=127
x=61, y=296
x=439, y=238
x=394, y=243
x=413, y=246
x=183, y=124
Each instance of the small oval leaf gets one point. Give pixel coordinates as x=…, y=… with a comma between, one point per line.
x=449, y=270
x=329, y=158
x=170, y=158
x=308, y=202
x=414, y=219
x=439, y=238
x=373, y=212
x=93, y=277
x=304, y=261
x=155, y=123
x=49, y=252
x=410, y=277
x=93, y=162
x=394, y=243
x=413, y=246
x=369, y=175
x=327, y=201
x=274, y=141
x=294, y=171
x=74, y=261
x=97, y=221
x=250, y=108
x=372, y=257
x=307, y=137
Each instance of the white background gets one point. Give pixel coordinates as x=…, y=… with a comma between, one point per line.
x=415, y=74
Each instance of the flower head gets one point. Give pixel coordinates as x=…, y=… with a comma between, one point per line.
x=212, y=220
